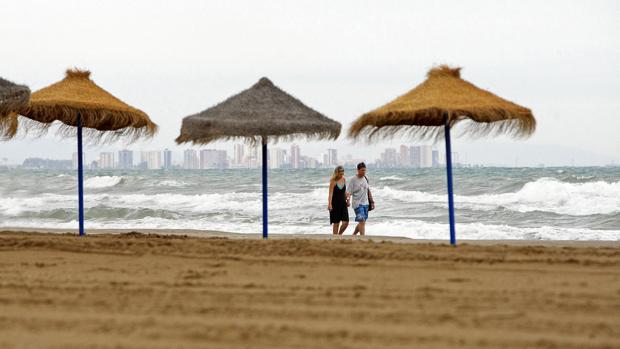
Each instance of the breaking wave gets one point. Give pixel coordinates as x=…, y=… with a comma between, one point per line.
x=545, y=194
x=102, y=182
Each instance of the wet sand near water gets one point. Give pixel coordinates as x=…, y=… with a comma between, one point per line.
x=139, y=290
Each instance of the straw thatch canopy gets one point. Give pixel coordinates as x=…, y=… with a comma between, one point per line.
x=422, y=112
x=13, y=100
x=264, y=111
x=102, y=114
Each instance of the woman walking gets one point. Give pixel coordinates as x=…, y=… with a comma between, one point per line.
x=338, y=202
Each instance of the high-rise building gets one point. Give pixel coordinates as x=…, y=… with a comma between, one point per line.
x=295, y=156
x=414, y=153
x=74, y=160
x=455, y=159
x=190, y=160
x=325, y=157
x=277, y=158
x=238, y=154
x=435, y=158
x=125, y=159
x=332, y=157
x=213, y=159
x=426, y=156
x=253, y=156
x=167, y=159
x=309, y=162
x=389, y=158
x=152, y=159
x=205, y=156
x=106, y=160
x=404, y=156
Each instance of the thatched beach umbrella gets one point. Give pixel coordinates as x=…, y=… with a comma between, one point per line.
x=77, y=102
x=13, y=100
x=262, y=112
x=432, y=108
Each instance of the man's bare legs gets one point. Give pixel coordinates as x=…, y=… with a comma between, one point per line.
x=360, y=228
x=343, y=227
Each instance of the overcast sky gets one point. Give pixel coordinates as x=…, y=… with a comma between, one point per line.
x=343, y=58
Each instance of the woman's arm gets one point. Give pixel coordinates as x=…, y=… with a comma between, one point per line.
x=331, y=193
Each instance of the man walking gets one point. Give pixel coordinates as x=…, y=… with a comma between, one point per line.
x=361, y=198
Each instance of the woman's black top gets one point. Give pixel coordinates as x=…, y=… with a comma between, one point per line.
x=340, y=211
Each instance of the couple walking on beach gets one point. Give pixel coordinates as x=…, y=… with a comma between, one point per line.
x=341, y=196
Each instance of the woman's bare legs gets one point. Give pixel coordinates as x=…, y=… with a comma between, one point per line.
x=335, y=228
x=343, y=227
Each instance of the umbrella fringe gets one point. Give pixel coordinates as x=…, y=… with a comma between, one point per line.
x=8, y=126
x=515, y=128
x=13, y=104
x=256, y=140
x=99, y=125
x=13, y=100
x=91, y=136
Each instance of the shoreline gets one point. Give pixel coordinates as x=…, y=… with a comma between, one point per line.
x=378, y=238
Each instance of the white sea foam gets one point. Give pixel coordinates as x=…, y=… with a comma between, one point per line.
x=414, y=229
x=545, y=194
x=14, y=206
x=171, y=183
x=477, y=231
x=102, y=181
x=391, y=178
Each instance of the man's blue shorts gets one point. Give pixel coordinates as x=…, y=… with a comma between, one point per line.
x=361, y=213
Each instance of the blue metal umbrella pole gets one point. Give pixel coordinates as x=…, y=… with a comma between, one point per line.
x=450, y=190
x=80, y=175
x=265, y=219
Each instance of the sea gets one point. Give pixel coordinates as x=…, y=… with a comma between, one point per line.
x=572, y=203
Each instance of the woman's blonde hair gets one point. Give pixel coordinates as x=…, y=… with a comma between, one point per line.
x=336, y=170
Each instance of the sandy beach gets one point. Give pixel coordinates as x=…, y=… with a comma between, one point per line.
x=135, y=290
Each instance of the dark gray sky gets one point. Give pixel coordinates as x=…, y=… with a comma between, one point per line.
x=343, y=58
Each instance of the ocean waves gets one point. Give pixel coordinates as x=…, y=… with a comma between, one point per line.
x=498, y=204
x=102, y=182
x=545, y=194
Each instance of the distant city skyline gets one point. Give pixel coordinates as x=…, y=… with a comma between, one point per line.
x=249, y=157
x=242, y=156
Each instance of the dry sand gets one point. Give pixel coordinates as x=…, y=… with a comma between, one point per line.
x=139, y=291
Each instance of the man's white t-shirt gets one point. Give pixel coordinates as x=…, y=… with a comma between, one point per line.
x=358, y=188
